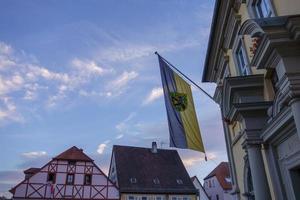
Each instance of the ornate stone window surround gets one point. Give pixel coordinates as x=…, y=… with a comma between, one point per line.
x=253, y=8
x=240, y=46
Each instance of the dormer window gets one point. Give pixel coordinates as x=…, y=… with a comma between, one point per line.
x=71, y=162
x=179, y=181
x=263, y=9
x=156, y=181
x=228, y=179
x=242, y=60
x=132, y=180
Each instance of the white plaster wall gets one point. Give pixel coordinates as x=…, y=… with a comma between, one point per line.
x=79, y=179
x=39, y=180
x=215, y=188
x=60, y=178
x=202, y=195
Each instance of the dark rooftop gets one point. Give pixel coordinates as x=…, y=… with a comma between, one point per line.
x=146, y=167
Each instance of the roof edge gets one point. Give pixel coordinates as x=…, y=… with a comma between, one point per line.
x=210, y=40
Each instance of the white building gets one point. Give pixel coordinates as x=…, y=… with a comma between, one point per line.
x=202, y=194
x=217, y=183
x=70, y=175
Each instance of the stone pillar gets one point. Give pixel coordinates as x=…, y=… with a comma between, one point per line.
x=259, y=178
x=295, y=105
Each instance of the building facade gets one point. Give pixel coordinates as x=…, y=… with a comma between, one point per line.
x=70, y=175
x=202, y=194
x=150, y=174
x=217, y=183
x=254, y=58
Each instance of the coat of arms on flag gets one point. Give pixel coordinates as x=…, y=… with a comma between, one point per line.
x=179, y=100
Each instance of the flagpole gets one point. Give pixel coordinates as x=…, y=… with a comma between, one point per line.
x=195, y=84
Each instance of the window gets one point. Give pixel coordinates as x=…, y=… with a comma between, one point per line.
x=217, y=197
x=242, y=60
x=228, y=179
x=132, y=180
x=144, y=198
x=70, y=179
x=51, y=178
x=158, y=198
x=87, y=179
x=130, y=197
x=179, y=181
x=263, y=9
x=71, y=162
x=209, y=184
x=174, y=198
x=156, y=181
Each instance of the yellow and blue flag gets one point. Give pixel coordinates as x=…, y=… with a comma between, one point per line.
x=183, y=124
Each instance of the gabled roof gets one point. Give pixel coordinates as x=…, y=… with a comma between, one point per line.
x=74, y=154
x=195, y=178
x=144, y=166
x=221, y=172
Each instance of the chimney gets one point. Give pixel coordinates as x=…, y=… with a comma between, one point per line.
x=154, y=147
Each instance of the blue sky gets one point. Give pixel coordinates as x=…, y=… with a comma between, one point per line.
x=84, y=73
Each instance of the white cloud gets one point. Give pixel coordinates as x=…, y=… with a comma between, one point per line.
x=34, y=154
x=8, y=111
x=119, y=136
x=123, y=125
x=193, y=160
x=89, y=67
x=101, y=148
x=119, y=85
x=155, y=94
x=5, y=49
x=122, y=80
x=126, y=52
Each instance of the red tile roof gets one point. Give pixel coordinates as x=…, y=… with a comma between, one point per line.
x=145, y=167
x=73, y=153
x=221, y=172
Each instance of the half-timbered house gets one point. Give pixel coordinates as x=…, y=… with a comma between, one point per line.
x=70, y=175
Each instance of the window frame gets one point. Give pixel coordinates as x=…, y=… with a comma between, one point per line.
x=179, y=181
x=254, y=10
x=54, y=177
x=91, y=179
x=73, y=180
x=261, y=6
x=130, y=197
x=242, y=59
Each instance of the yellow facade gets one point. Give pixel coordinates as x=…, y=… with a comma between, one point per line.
x=280, y=7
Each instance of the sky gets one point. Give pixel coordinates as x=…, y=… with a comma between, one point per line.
x=84, y=73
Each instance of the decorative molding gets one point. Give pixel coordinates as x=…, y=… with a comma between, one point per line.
x=235, y=88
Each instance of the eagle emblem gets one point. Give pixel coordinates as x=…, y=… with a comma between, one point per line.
x=179, y=101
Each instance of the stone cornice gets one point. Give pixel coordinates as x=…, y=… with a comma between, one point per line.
x=249, y=109
x=234, y=91
x=277, y=124
x=216, y=39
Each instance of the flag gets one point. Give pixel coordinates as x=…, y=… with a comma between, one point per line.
x=182, y=120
